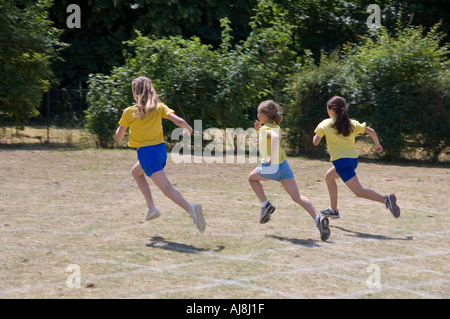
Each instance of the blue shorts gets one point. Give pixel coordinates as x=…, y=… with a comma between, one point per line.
x=152, y=158
x=276, y=172
x=345, y=167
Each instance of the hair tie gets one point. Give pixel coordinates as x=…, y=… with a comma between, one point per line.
x=276, y=114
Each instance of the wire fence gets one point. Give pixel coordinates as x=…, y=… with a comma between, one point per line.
x=61, y=121
x=63, y=108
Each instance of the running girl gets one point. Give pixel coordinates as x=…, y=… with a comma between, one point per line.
x=340, y=132
x=146, y=135
x=274, y=166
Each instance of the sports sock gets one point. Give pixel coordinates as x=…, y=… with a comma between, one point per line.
x=316, y=219
x=265, y=203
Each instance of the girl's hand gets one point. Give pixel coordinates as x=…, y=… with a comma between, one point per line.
x=257, y=125
x=378, y=148
x=269, y=161
x=188, y=130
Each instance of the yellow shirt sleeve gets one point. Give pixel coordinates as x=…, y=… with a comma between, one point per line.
x=319, y=131
x=359, y=128
x=165, y=110
x=125, y=119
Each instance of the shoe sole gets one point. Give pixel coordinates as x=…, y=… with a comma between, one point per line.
x=199, y=219
x=395, y=209
x=325, y=229
x=150, y=217
x=266, y=217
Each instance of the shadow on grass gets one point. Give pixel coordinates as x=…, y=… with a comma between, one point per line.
x=371, y=236
x=309, y=243
x=161, y=243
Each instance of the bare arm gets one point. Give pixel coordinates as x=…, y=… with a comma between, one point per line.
x=274, y=145
x=377, y=146
x=178, y=121
x=257, y=125
x=120, y=132
x=316, y=140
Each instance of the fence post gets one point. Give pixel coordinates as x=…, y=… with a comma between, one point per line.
x=48, y=117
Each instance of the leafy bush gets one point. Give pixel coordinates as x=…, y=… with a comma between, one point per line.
x=397, y=84
x=308, y=91
x=105, y=101
x=403, y=88
x=221, y=87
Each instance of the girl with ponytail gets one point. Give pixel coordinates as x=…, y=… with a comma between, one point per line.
x=340, y=132
x=146, y=135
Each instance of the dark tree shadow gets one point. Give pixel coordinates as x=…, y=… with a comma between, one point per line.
x=161, y=243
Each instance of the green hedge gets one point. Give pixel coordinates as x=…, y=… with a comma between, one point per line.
x=399, y=85
x=222, y=87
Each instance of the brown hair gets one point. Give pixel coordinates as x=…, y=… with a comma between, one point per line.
x=272, y=110
x=146, y=97
x=340, y=107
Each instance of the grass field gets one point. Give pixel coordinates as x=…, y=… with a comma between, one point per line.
x=81, y=208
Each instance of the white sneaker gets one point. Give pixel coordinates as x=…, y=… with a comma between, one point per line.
x=196, y=213
x=152, y=213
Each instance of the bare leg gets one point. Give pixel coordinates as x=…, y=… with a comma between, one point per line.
x=330, y=179
x=160, y=179
x=139, y=176
x=358, y=190
x=255, y=182
x=291, y=188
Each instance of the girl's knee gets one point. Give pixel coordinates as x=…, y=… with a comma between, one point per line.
x=137, y=172
x=329, y=177
x=251, y=178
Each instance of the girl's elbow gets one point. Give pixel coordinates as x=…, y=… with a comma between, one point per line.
x=316, y=140
x=120, y=132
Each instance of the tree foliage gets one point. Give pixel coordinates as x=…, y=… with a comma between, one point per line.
x=217, y=59
x=28, y=45
x=219, y=86
x=98, y=45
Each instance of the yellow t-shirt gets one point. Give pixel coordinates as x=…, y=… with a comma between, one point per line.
x=340, y=146
x=265, y=144
x=146, y=131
